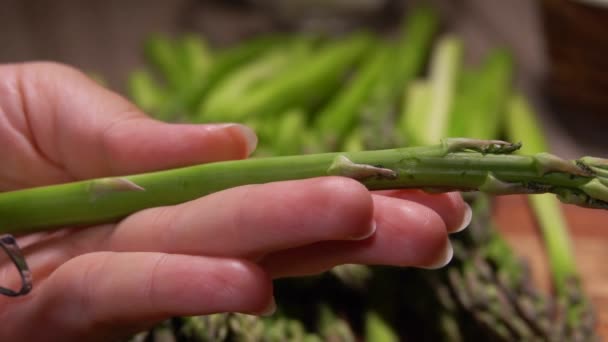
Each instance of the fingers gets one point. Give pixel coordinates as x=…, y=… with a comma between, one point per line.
x=253, y=220
x=407, y=234
x=72, y=124
x=454, y=211
x=142, y=144
x=106, y=295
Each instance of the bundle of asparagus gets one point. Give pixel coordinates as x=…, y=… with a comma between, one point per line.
x=349, y=102
x=486, y=282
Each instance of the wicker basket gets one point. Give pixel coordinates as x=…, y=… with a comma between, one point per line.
x=577, y=46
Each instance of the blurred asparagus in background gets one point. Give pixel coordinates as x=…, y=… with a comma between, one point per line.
x=574, y=311
x=428, y=122
x=304, y=93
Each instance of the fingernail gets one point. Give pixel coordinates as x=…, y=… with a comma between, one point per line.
x=368, y=233
x=444, y=259
x=466, y=220
x=270, y=309
x=251, y=139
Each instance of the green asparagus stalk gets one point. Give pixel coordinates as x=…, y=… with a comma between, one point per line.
x=480, y=102
x=376, y=329
x=223, y=63
x=146, y=92
x=236, y=85
x=416, y=104
x=289, y=133
x=354, y=276
x=412, y=49
x=378, y=114
x=305, y=83
x=333, y=328
x=492, y=286
x=425, y=127
x=455, y=164
x=354, y=141
x=195, y=58
x=163, y=54
x=522, y=123
x=183, y=63
x=339, y=116
x=208, y=328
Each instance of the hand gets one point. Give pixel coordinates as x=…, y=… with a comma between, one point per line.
x=218, y=253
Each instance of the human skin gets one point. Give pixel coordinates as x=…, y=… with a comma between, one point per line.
x=218, y=253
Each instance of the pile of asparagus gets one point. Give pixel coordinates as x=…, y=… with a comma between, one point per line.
x=306, y=95
x=346, y=106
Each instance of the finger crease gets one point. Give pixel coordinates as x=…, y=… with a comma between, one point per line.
x=150, y=287
x=25, y=109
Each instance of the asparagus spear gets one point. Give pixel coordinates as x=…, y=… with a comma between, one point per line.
x=492, y=287
x=424, y=127
x=304, y=83
x=376, y=329
x=339, y=116
x=289, y=133
x=263, y=69
x=146, y=93
x=224, y=62
x=163, y=54
x=480, y=102
x=416, y=103
x=184, y=63
x=195, y=58
x=412, y=48
x=333, y=328
x=455, y=164
x=354, y=141
x=378, y=113
x=521, y=123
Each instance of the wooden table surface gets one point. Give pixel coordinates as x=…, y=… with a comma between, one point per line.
x=589, y=232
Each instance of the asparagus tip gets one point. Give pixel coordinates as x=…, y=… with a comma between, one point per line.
x=596, y=189
x=601, y=163
x=580, y=199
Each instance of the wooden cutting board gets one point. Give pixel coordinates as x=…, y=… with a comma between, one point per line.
x=589, y=233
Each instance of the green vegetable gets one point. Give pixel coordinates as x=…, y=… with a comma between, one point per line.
x=425, y=127
x=164, y=55
x=410, y=54
x=341, y=114
x=188, y=98
x=412, y=49
x=146, y=92
x=522, y=124
x=456, y=164
x=195, y=58
x=480, y=102
x=376, y=329
x=303, y=84
x=261, y=70
x=354, y=141
x=289, y=132
x=416, y=104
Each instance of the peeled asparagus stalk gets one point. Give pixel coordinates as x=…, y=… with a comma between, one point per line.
x=456, y=164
